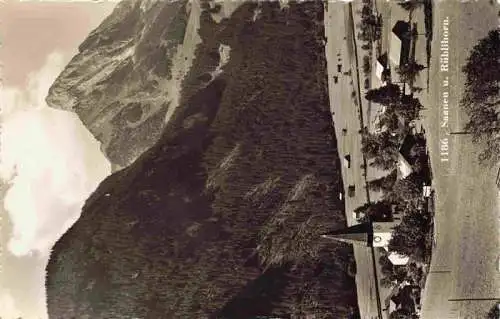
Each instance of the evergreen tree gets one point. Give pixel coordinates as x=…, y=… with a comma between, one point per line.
x=409, y=237
x=385, y=95
x=494, y=312
x=408, y=72
x=481, y=98
x=382, y=148
x=376, y=211
x=384, y=183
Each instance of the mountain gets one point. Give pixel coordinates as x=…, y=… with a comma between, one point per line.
x=221, y=217
x=123, y=83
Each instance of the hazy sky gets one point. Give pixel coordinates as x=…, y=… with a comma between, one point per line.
x=30, y=30
x=49, y=162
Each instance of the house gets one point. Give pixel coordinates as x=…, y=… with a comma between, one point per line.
x=381, y=68
x=402, y=297
x=399, y=50
x=404, y=167
x=397, y=259
x=405, y=158
x=426, y=191
x=392, y=302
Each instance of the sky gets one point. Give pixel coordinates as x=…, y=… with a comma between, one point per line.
x=49, y=162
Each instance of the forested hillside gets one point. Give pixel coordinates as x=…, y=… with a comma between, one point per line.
x=222, y=217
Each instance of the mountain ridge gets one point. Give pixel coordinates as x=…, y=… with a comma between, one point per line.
x=124, y=79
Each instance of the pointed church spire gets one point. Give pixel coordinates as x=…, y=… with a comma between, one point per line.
x=361, y=234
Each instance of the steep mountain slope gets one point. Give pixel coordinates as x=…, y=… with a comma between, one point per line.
x=221, y=217
x=125, y=79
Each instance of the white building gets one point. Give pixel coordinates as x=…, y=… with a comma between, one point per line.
x=380, y=67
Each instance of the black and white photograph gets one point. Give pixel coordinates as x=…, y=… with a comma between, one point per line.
x=260, y=159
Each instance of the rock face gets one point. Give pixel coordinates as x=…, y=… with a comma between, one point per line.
x=221, y=217
x=127, y=74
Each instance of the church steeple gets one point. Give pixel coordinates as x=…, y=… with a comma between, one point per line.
x=371, y=234
x=361, y=234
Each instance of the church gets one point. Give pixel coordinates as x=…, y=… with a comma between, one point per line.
x=369, y=234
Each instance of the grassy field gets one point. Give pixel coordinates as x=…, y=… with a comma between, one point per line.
x=467, y=219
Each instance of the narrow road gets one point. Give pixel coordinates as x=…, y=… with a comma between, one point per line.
x=346, y=115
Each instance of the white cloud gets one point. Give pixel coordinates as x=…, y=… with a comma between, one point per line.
x=8, y=307
x=51, y=160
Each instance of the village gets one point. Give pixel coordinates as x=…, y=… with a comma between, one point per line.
x=386, y=168
x=420, y=184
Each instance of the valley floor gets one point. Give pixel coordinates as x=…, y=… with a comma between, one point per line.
x=467, y=220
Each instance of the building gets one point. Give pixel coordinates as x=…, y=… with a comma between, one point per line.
x=405, y=156
x=404, y=167
x=360, y=234
x=381, y=68
x=397, y=259
x=370, y=234
x=399, y=50
x=402, y=297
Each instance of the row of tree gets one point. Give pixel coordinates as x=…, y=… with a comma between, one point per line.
x=481, y=97
x=370, y=25
x=401, y=196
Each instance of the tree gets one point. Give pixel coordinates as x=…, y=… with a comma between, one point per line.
x=386, y=265
x=414, y=273
x=385, y=95
x=409, y=237
x=411, y=5
x=384, y=162
x=382, y=152
x=374, y=144
x=386, y=282
x=408, y=72
x=481, y=98
x=407, y=190
x=370, y=26
x=391, y=121
x=384, y=183
x=366, y=64
x=408, y=107
x=376, y=211
x=494, y=312
x=382, y=148
x=400, y=314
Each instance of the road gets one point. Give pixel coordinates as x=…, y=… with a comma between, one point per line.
x=345, y=110
x=467, y=221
